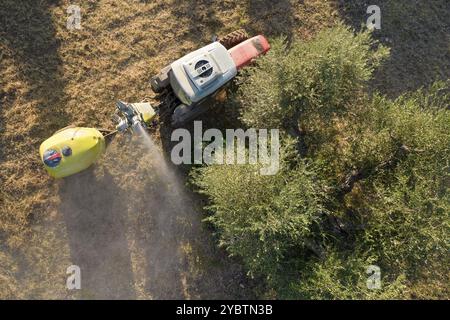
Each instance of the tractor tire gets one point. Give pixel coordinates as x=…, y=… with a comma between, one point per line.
x=234, y=38
x=183, y=114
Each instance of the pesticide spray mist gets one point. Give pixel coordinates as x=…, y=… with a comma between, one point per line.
x=126, y=221
x=158, y=158
x=136, y=232
x=168, y=215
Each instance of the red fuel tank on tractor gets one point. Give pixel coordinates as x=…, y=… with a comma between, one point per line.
x=245, y=52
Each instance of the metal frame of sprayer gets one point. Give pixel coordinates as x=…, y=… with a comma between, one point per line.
x=132, y=115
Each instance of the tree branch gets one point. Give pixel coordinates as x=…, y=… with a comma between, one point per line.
x=357, y=175
x=294, y=130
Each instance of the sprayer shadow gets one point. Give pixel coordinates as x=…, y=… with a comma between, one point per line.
x=94, y=214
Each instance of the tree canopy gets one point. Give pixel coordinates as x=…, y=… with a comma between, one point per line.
x=363, y=179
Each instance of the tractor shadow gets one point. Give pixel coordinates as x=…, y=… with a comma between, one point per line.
x=94, y=212
x=416, y=32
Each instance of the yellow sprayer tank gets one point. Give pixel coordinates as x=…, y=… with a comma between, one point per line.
x=71, y=150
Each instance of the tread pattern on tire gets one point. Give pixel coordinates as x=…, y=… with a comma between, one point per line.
x=234, y=38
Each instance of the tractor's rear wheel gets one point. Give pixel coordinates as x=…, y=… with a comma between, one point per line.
x=234, y=38
x=183, y=114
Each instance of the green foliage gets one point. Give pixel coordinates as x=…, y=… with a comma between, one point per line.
x=406, y=208
x=335, y=278
x=279, y=213
x=318, y=78
x=363, y=180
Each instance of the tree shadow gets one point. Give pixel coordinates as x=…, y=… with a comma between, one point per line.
x=31, y=106
x=200, y=17
x=271, y=18
x=417, y=33
x=94, y=210
x=27, y=40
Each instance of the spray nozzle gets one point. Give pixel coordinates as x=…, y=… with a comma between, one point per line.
x=133, y=115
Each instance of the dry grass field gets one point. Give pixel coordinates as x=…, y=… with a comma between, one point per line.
x=106, y=220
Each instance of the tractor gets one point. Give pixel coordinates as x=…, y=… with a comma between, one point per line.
x=191, y=81
x=185, y=89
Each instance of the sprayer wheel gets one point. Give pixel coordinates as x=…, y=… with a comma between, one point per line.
x=234, y=38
